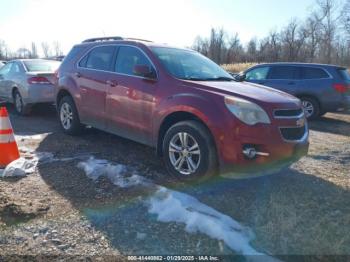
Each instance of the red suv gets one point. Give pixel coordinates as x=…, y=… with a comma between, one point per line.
x=180, y=102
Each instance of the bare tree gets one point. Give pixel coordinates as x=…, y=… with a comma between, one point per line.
x=46, y=49
x=346, y=17
x=57, y=48
x=327, y=10
x=23, y=53
x=34, y=51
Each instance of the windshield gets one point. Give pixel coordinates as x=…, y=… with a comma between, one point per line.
x=41, y=65
x=190, y=65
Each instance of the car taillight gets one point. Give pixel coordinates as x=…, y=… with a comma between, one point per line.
x=38, y=80
x=341, y=88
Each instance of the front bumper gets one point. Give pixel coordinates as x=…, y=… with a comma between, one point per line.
x=279, y=152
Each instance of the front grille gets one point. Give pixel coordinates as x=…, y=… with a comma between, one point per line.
x=293, y=133
x=281, y=113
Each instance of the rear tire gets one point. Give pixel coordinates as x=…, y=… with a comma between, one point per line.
x=68, y=116
x=189, y=151
x=20, y=108
x=311, y=107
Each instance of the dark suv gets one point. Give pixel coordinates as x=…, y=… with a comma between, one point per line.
x=321, y=88
x=180, y=102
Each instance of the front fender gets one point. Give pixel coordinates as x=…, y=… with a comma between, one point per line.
x=210, y=110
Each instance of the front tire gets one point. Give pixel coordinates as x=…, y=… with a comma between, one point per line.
x=68, y=116
x=189, y=151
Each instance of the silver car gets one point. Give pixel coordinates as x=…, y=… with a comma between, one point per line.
x=26, y=82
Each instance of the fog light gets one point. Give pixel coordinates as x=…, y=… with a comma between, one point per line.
x=250, y=152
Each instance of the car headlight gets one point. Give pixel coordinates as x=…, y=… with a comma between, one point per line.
x=248, y=112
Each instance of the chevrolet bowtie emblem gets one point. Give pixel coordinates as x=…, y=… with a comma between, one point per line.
x=300, y=122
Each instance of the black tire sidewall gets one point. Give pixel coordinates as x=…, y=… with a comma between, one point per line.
x=76, y=125
x=204, y=141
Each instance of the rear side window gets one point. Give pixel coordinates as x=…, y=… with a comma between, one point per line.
x=283, y=72
x=313, y=73
x=259, y=73
x=127, y=58
x=99, y=58
x=344, y=74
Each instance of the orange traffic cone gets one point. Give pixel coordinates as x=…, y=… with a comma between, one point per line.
x=8, y=146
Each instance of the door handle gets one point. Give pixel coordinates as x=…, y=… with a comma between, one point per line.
x=291, y=83
x=261, y=83
x=111, y=83
x=77, y=74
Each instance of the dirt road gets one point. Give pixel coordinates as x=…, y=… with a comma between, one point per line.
x=59, y=210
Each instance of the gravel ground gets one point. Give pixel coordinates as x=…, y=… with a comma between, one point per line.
x=304, y=210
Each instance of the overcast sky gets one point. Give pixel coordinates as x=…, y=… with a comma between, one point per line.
x=176, y=22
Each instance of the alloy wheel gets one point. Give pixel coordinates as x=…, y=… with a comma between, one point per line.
x=184, y=153
x=308, y=108
x=18, y=103
x=66, y=116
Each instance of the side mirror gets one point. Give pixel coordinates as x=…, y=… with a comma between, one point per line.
x=144, y=71
x=240, y=77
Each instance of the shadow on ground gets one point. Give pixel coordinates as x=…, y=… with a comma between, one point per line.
x=331, y=125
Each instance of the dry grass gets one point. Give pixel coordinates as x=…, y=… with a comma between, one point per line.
x=236, y=68
x=239, y=67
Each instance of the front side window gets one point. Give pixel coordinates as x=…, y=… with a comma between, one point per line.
x=190, y=65
x=128, y=57
x=259, y=73
x=313, y=73
x=100, y=58
x=283, y=72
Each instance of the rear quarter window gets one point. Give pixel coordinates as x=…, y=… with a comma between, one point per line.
x=313, y=73
x=344, y=74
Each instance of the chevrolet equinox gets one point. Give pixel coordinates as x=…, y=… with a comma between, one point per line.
x=193, y=112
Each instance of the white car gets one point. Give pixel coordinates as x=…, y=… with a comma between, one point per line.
x=26, y=82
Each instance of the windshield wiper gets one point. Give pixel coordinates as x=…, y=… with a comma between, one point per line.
x=221, y=78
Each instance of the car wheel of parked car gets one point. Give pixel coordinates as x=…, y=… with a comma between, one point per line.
x=189, y=151
x=69, y=118
x=311, y=107
x=20, y=107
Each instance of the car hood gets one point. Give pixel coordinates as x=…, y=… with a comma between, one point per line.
x=249, y=91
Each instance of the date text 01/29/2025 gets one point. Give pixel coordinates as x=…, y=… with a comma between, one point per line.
x=173, y=258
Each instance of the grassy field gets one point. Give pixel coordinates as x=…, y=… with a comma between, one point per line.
x=236, y=68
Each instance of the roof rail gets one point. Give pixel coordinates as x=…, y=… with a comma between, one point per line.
x=107, y=38
x=138, y=39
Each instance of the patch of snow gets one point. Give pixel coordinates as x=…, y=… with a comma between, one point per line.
x=117, y=174
x=30, y=136
x=173, y=206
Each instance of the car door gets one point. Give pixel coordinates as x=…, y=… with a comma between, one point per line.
x=131, y=98
x=5, y=82
x=94, y=71
x=285, y=78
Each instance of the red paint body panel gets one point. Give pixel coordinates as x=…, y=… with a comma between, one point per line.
x=135, y=108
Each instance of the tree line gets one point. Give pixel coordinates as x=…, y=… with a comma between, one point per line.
x=48, y=50
x=323, y=37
